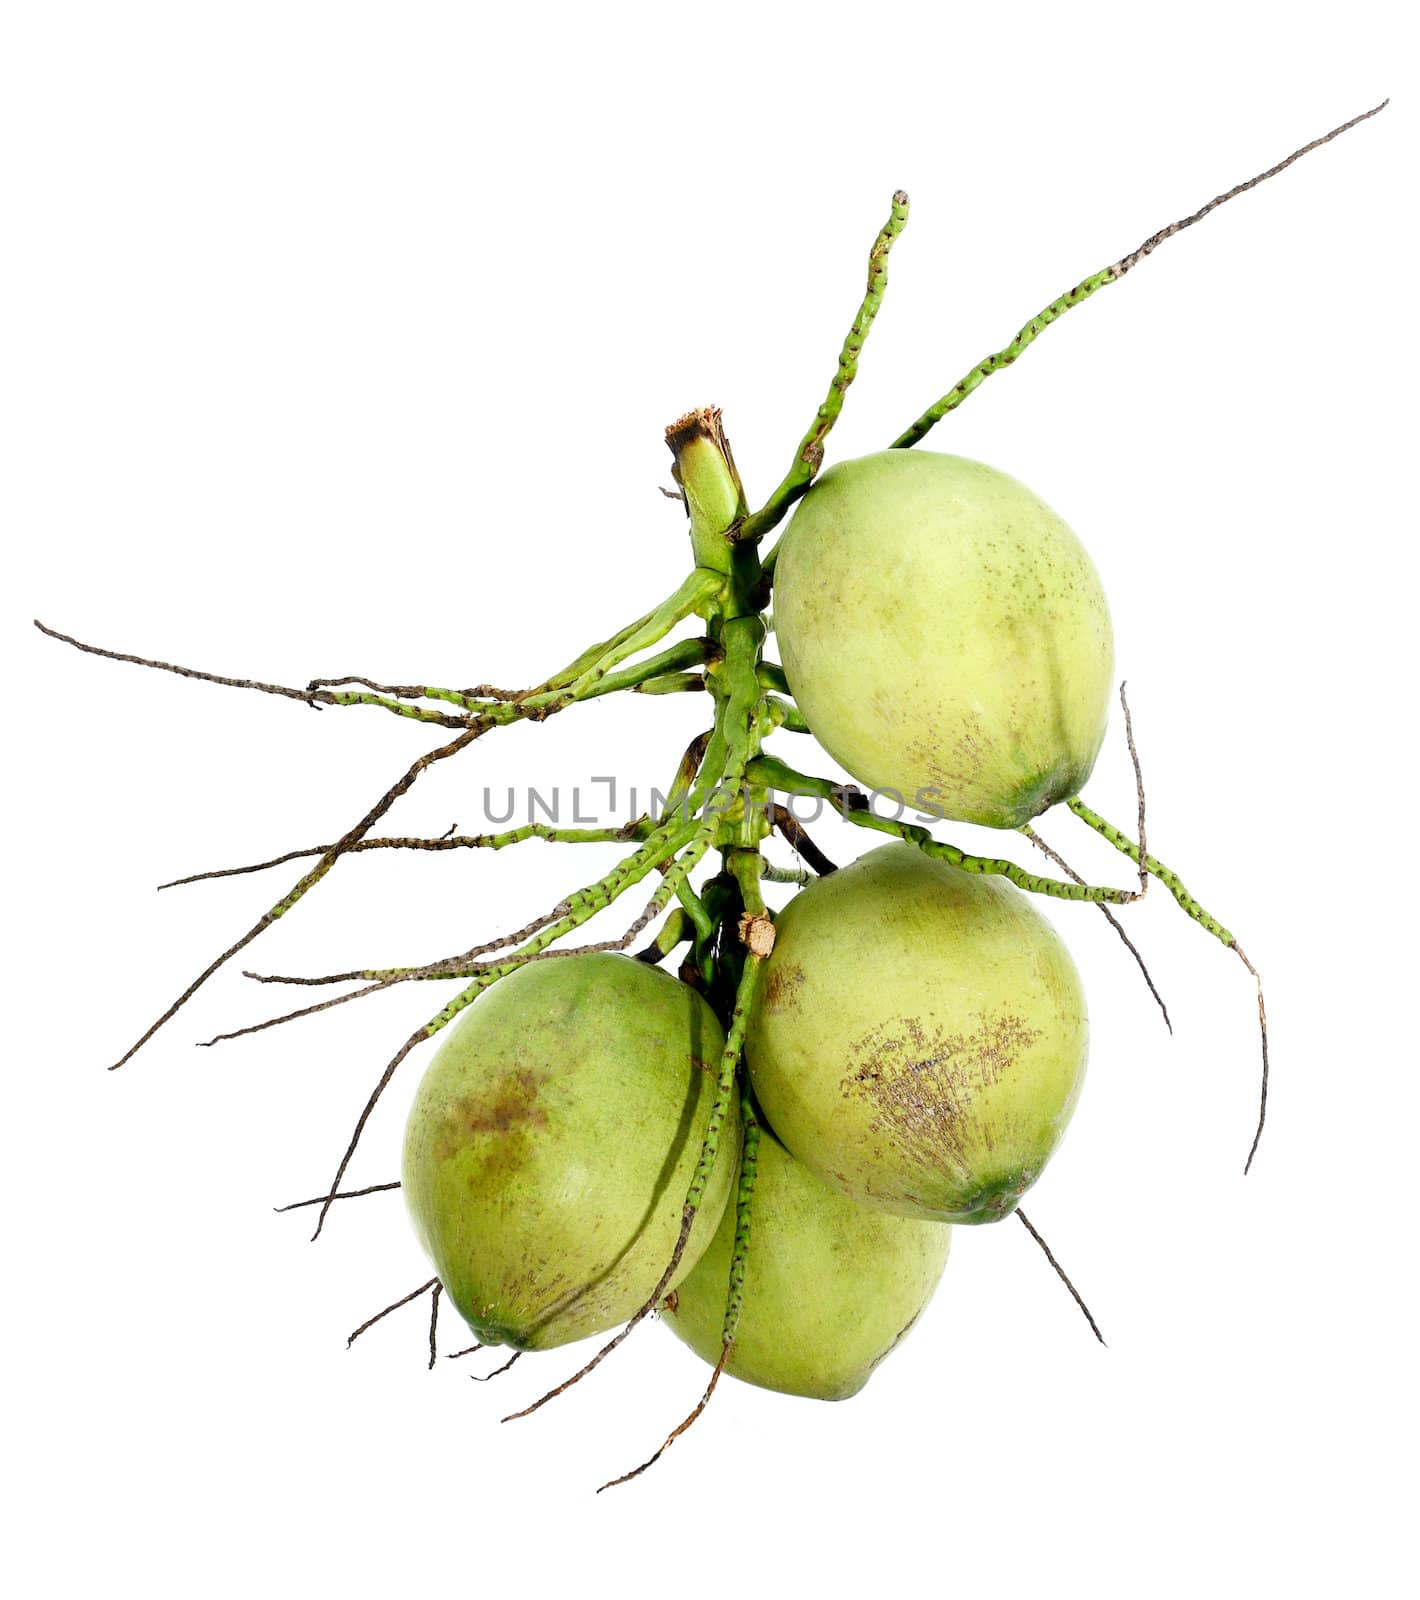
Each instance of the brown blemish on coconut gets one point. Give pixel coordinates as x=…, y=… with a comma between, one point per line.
x=923, y=1085
x=509, y=1106
x=781, y=985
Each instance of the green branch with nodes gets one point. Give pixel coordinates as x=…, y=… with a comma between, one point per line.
x=808, y=458
x=1099, y=280
x=721, y=800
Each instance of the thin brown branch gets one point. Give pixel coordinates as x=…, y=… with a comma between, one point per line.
x=1061, y=1273
x=295, y=1016
x=312, y=697
x=1154, y=240
x=1139, y=794
x=487, y=1377
x=348, y=1194
x=455, y=965
x=793, y=831
x=463, y=965
x=404, y=1300
x=414, y=1039
x=1114, y=922
x=310, y=879
x=1262, y=1024
x=448, y=841
x=680, y=1427
x=352, y=976
x=649, y=1305
x=284, y=690
x=434, y=1325
x=236, y=872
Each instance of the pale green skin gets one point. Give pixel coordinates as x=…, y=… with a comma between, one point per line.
x=945, y=636
x=830, y=1287
x=551, y=1144
x=921, y=1036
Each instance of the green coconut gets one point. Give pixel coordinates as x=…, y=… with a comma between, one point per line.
x=831, y=1287
x=945, y=636
x=552, y=1141
x=920, y=1037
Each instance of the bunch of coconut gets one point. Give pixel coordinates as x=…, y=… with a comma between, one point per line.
x=917, y=1036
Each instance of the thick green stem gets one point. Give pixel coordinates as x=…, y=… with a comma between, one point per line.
x=747, y=865
x=673, y=683
x=594, y=653
x=694, y=597
x=700, y=919
x=771, y=675
x=672, y=661
x=800, y=876
x=674, y=931
x=784, y=714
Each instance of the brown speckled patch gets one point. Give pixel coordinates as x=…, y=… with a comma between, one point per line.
x=781, y=985
x=970, y=748
x=922, y=1086
x=955, y=770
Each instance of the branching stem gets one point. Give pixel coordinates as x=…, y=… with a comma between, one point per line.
x=1174, y=884
x=639, y=829
x=379, y=1316
x=808, y=458
x=1088, y=286
x=854, y=807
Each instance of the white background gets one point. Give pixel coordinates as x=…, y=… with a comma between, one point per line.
x=340, y=339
